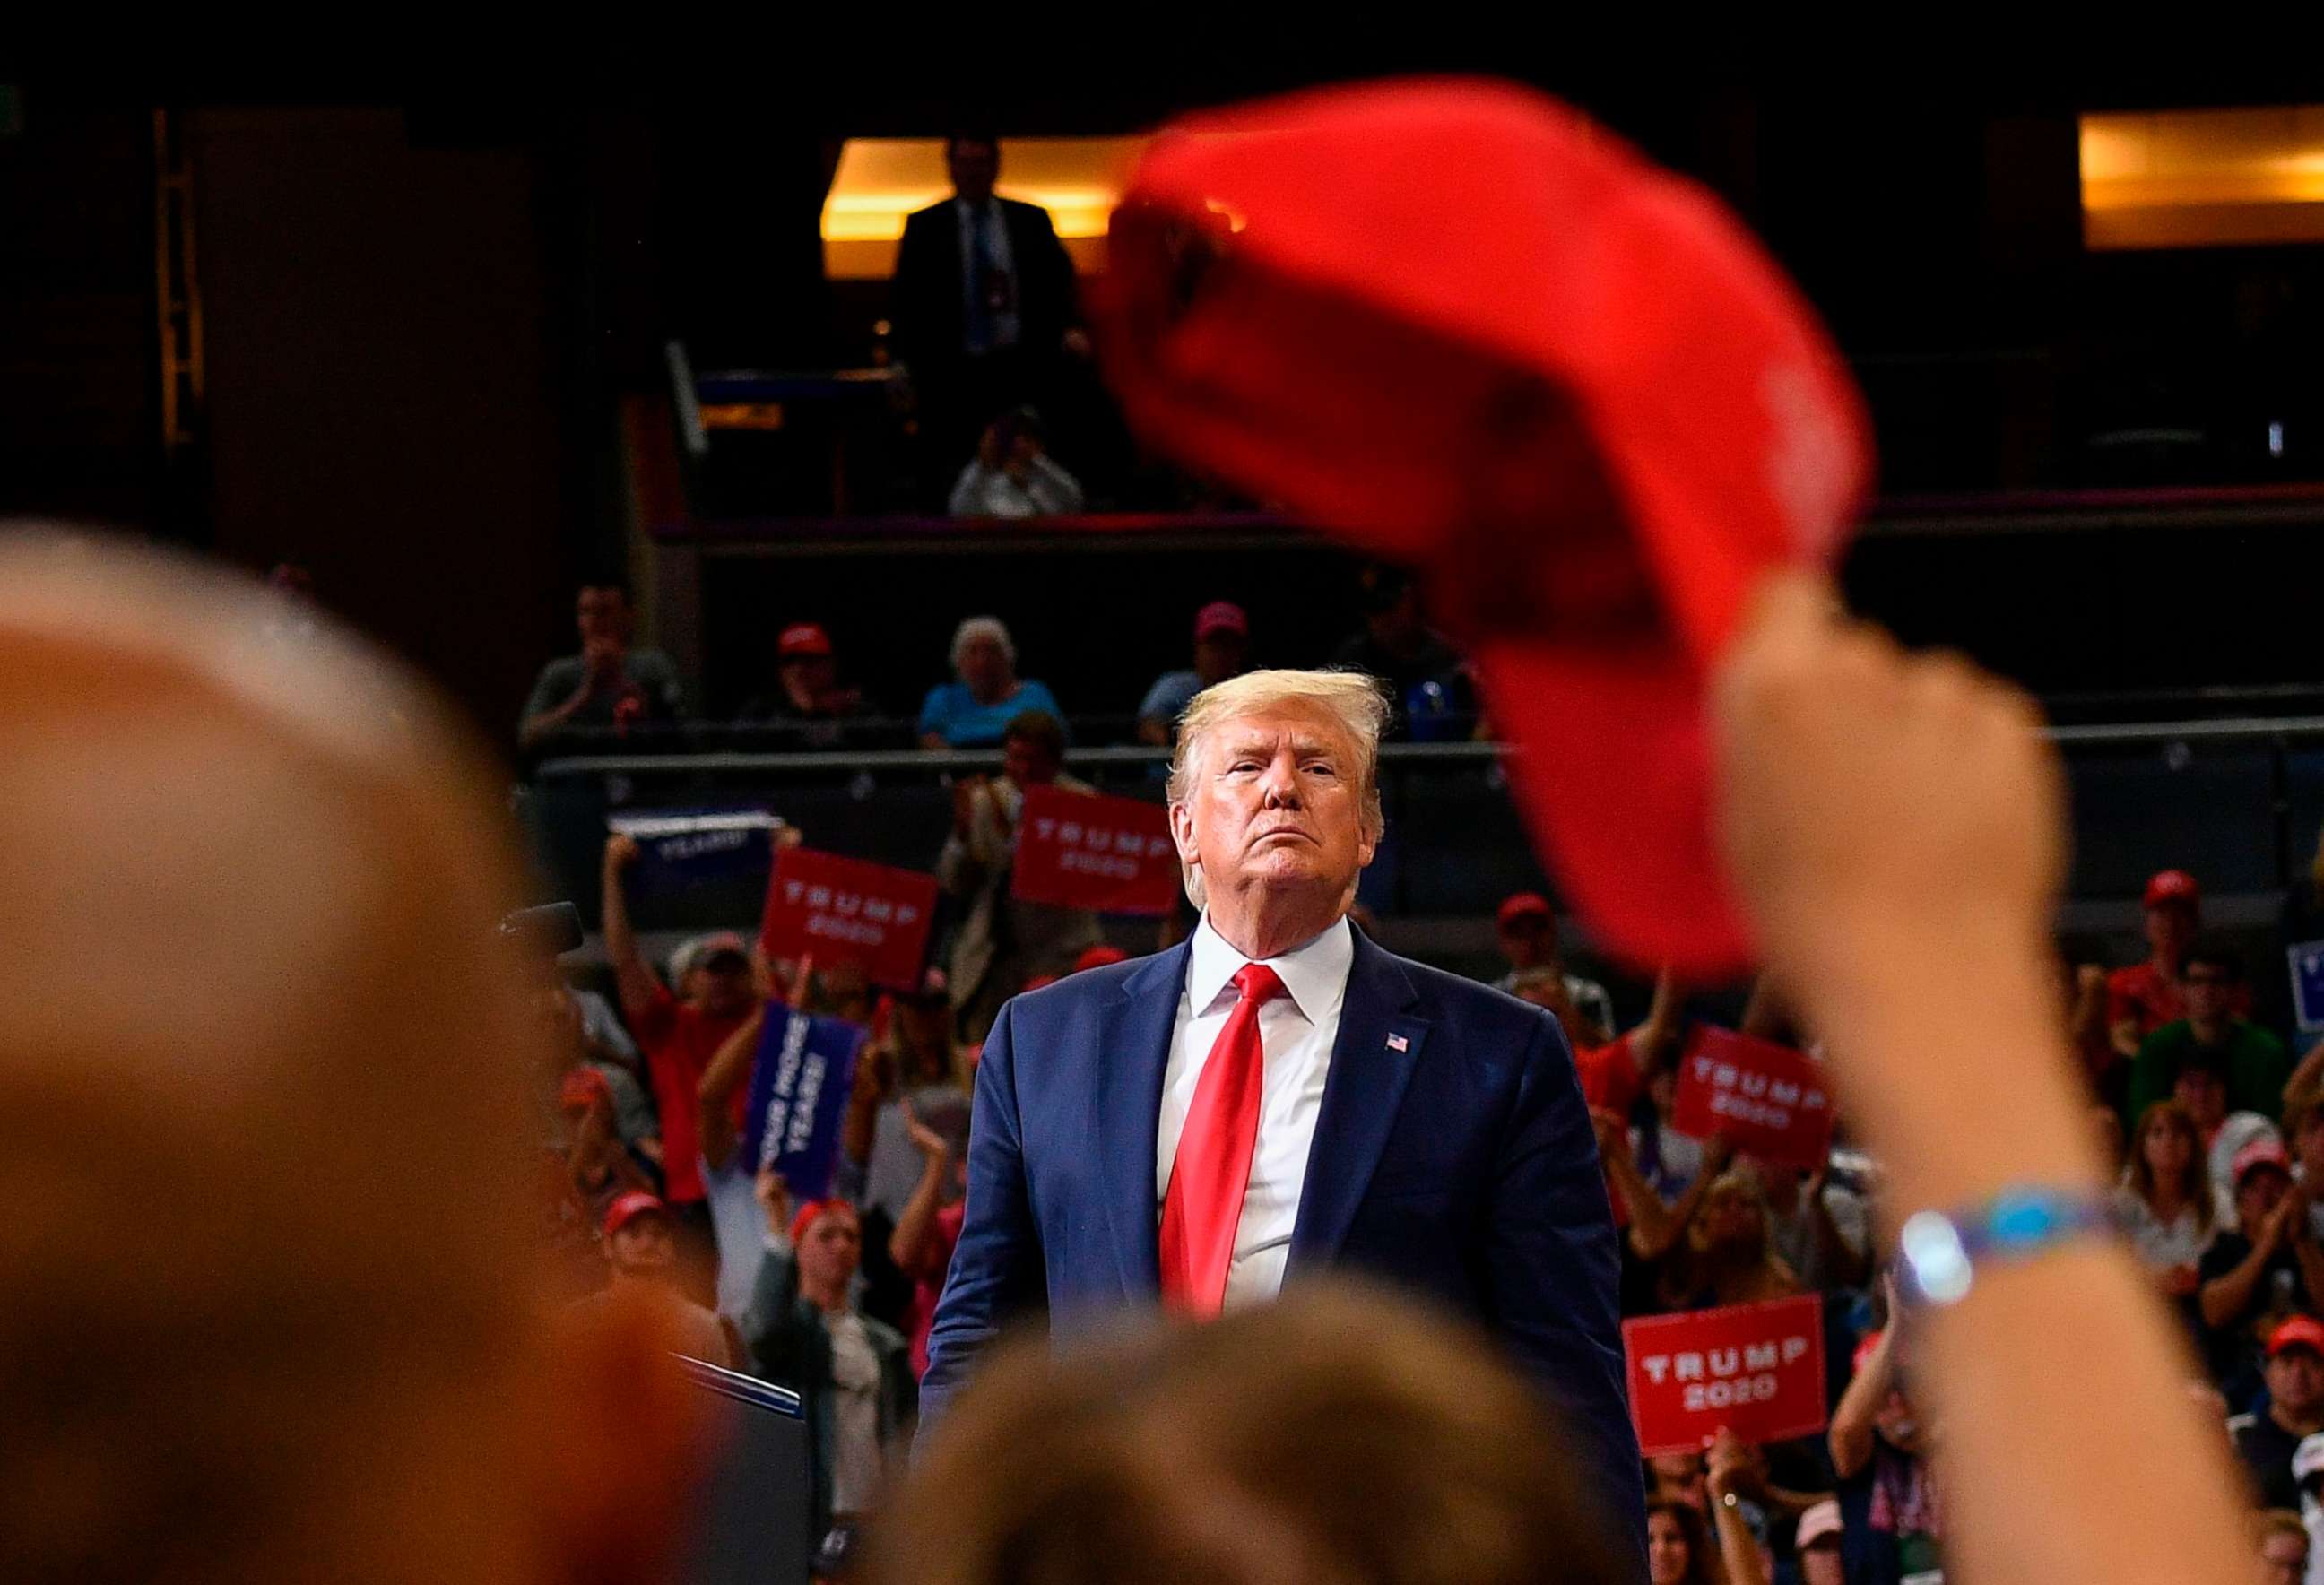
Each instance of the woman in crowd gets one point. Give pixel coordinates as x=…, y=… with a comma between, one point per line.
x=1724, y=1258
x=2166, y=1202
x=854, y=1380
x=1678, y=1547
x=985, y=694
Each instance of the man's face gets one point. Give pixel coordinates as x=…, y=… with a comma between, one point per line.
x=1218, y=656
x=2210, y=991
x=2260, y=1192
x=1029, y=763
x=643, y=1247
x=727, y=987
x=809, y=674
x=2296, y=1382
x=1277, y=804
x=983, y=663
x=833, y=1246
x=1529, y=941
x=2170, y=929
x=2204, y=1094
x=974, y=165
x=602, y=615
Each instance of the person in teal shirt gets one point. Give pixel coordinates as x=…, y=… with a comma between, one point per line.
x=2255, y=1062
x=974, y=710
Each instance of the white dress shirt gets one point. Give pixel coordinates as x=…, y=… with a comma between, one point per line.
x=1296, y=1031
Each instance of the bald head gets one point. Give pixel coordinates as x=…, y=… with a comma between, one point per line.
x=261, y=1125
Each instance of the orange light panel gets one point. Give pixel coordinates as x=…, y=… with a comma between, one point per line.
x=2181, y=179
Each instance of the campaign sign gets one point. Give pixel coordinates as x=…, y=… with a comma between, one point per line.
x=1767, y=1100
x=2307, y=962
x=845, y=910
x=680, y=850
x=1082, y=850
x=1756, y=1369
x=799, y=1081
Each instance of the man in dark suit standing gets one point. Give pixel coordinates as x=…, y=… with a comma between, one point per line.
x=1278, y=1097
x=983, y=303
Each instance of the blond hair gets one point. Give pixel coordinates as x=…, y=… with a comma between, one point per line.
x=1350, y=697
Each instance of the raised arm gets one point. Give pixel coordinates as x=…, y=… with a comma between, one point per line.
x=1850, y=1436
x=632, y=979
x=728, y=1069
x=1895, y=829
x=910, y=1245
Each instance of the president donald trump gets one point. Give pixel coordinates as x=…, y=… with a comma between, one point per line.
x=1278, y=1097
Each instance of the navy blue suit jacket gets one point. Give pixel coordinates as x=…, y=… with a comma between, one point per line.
x=1453, y=1158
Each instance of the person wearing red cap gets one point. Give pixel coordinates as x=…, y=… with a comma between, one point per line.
x=641, y=1257
x=2255, y=1062
x=1527, y=927
x=1879, y=1427
x=1099, y=956
x=2266, y=1439
x=1221, y=650
x=807, y=693
x=680, y=1037
x=2145, y=996
x=853, y=1375
x=2268, y=1267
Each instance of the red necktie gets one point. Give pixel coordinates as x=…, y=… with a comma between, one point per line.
x=1207, y=1181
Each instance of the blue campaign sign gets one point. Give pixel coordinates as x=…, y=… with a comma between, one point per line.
x=2306, y=960
x=679, y=850
x=799, y=1081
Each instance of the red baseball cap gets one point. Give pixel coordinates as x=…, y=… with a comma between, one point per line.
x=1221, y=617
x=2172, y=886
x=803, y=638
x=629, y=1207
x=1524, y=905
x=806, y=1216
x=2299, y=1332
x=1629, y=417
x=2267, y=1150
x=1098, y=956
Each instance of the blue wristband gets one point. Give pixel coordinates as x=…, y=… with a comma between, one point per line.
x=1942, y=1253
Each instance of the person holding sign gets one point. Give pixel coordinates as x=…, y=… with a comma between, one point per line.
x=1278, y=1097
x=1001, y=940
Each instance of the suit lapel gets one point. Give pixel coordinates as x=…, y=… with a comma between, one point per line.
x=1372, y=1060
x=1133, y=1051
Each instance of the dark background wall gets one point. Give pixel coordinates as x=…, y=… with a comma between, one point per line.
x=425, y=302
x=381, y=400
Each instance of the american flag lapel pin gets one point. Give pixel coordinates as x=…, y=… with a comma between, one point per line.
x=1399, y=1043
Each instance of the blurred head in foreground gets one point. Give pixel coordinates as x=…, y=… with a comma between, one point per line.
x=273, y=1305
x=1338, y=1437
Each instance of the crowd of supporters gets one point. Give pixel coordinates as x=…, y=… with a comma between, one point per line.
x=2218, y=1134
